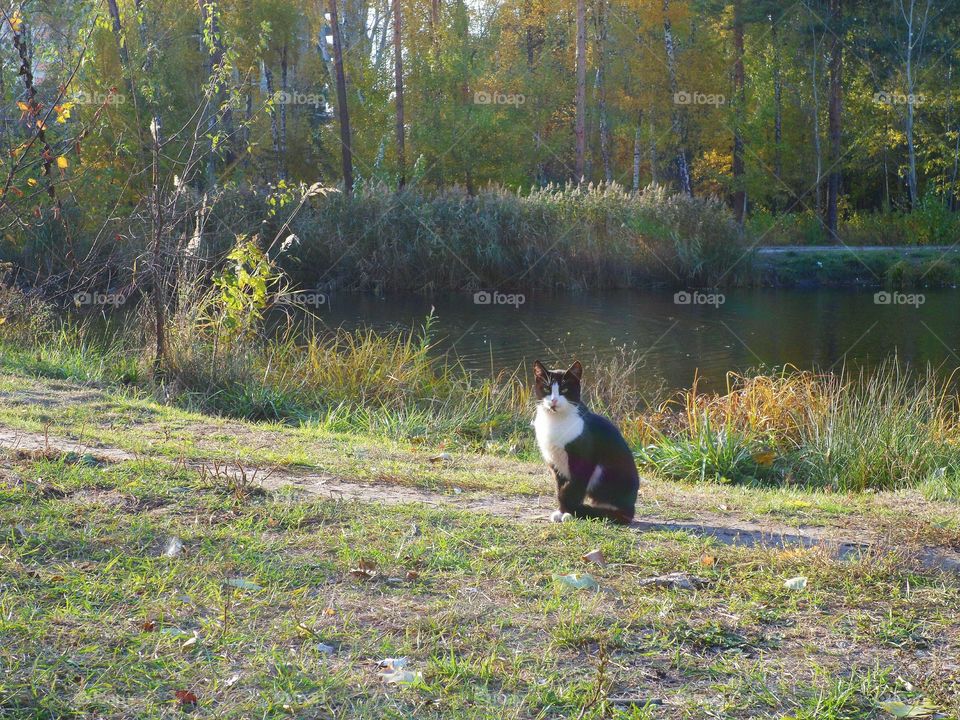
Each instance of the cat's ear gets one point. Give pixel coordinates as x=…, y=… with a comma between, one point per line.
x=576, y=370
x=539, y=371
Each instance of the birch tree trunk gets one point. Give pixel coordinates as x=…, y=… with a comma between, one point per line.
x=581, y=91
x=676, y=120
x=398, y=87
x=916, y=30
x=602, y=21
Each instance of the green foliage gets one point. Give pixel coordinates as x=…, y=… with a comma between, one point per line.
x=704, y=453
x=242, y=291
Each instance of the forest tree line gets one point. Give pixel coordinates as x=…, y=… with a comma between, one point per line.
x=823, y=107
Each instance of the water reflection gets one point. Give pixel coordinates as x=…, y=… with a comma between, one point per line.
x=807, y=328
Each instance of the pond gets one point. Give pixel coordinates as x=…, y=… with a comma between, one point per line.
x=699, y=335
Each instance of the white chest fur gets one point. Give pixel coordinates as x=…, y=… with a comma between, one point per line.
x=554, y=430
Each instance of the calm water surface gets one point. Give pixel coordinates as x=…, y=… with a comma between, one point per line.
x=815, y=329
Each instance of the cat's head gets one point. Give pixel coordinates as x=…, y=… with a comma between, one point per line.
x=557, y=390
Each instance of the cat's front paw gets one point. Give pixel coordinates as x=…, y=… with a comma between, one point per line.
x=559, y=516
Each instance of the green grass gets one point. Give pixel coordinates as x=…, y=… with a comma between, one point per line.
x=893, y=268
x=97, y=621
x=891, y=429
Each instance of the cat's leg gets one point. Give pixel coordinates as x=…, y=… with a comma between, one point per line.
x=570, y=494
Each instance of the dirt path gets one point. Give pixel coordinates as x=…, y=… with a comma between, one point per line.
x=724, y=529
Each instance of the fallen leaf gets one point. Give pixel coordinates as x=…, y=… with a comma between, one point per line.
x=365, y=570
x=578, y=581
x=595, y=556
x=796, y=583
x=412, y=575
x=708, y=561
x=902, y=710
x=185, y=697
x=149, y=626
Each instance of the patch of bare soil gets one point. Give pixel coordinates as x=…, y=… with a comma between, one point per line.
x=723, y=528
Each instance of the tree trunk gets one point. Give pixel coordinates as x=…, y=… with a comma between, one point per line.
x=274, y=117
x=581, y=91
x=915, y=37
x=602, y=12
x=282, y=144
x=398, y=86
x=435, y=27
x=118, y=34
x=676, y=120
x=5, y=139
x=817, y=148
x=158, y=293
x=953, y=181
x=637, y=134
x=777, y=103
x=836, y=110
x=952, y=122
x=654, y=162
x=342, y=110
x=740, y=192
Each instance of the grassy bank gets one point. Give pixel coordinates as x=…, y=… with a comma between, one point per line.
x=891, y=268
x=143, y=589
x=892, y=429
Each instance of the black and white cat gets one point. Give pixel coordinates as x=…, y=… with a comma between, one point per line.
x=594, y=468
